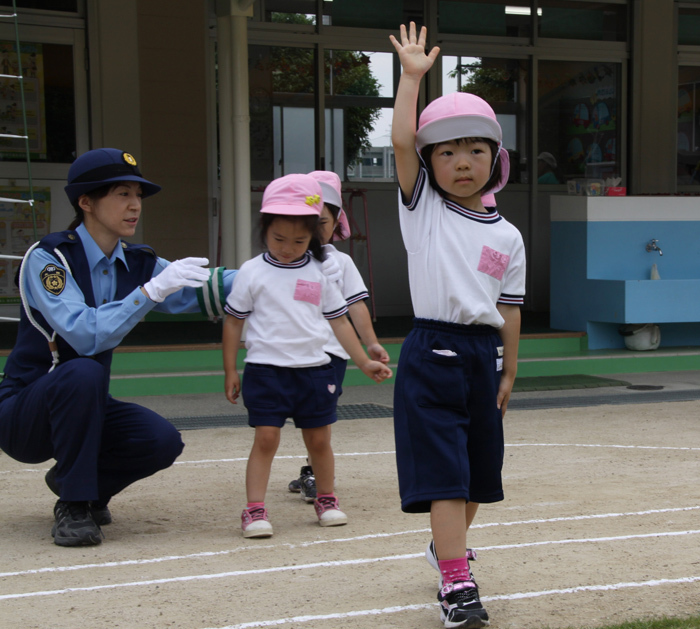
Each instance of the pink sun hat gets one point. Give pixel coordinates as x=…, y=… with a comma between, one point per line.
x=330, y=186
x=462, y=115
x=293, y=195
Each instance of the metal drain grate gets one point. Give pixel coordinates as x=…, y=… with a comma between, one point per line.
x=345, y=411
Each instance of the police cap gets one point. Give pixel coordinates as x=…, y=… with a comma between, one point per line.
x=99, y=167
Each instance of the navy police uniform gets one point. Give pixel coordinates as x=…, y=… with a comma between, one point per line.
x=101, y=444
x=78, y=304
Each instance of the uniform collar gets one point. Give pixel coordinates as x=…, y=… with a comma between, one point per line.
x=94, y=254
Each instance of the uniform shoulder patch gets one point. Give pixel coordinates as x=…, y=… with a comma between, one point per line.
x=53, y=279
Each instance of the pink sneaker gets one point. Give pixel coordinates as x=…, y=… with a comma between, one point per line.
x=255, y=523
x=328, y=511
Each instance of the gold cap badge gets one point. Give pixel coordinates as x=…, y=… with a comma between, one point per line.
x=129, y=159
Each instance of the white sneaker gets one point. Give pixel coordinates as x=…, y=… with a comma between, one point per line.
x=255, y=522
x=328, y=511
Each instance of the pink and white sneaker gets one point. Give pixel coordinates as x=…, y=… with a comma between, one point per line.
x=255, y=522
x=328, y=511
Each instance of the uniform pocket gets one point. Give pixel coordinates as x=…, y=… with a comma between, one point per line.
x=260, y=387
x=326, y=389
x=442, y=377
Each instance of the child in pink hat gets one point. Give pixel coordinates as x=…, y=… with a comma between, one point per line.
x=457, y=366
x=334, y=226
x=286, y=299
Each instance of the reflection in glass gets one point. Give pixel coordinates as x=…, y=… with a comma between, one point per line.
x=502, y=83
x=578, y=119
x=688, y=125
x=354, y=83
x=500, y=18
x=49, y=102
x=689, y=27
x=281, y=110
x=570, y=19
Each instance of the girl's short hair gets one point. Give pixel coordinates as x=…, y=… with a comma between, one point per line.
x=493, y=180
x=309, y=221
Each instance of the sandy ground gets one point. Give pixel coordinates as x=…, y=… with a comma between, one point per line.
x=600, y=524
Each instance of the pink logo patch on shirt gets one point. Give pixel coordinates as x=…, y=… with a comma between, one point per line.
x=493, y=263
x=308, y=291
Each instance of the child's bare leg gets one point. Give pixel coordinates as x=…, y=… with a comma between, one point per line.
x=470, y=512
x=318, y=445
x=447, y=520
x=257, y=475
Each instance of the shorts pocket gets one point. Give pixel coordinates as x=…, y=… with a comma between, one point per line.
x=326, y=389
x=442, y=381
x=260, y=387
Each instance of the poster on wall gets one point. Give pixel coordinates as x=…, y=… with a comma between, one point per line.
x=11, y=119
x=17, y=232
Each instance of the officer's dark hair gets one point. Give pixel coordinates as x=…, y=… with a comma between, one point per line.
x=335, y=212
x=310, y=222
x=495, y=177
x=93, y=195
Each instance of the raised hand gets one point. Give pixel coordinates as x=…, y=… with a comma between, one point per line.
x=411, y=51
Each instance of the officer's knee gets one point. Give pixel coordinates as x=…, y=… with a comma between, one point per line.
x=168, y=447
x=82, y=374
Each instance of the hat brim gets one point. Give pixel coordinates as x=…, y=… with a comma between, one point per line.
x=291, y=210
x=454, y=127
x=76, y=190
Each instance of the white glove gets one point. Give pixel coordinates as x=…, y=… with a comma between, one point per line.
x=181, y=273
x=331, y=268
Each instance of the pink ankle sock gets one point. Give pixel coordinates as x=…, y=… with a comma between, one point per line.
x=331, y=495
x=454, y=570
x=255, y=505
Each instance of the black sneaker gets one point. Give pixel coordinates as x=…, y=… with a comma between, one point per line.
x=74, y=525
x=100, y=513
x=294, y=486
x=307, y=484
x=460, y=606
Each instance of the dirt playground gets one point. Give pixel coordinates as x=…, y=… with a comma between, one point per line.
x=601, y=524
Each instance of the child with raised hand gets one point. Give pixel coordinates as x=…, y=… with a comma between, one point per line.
x=467, y=279
x=334, y=225
x=286, y=298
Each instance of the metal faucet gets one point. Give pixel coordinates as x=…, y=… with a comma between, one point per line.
x=653, y=246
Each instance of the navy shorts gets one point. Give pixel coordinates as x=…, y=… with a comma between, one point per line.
x=306, y=394
x=340, y=365
x=448, y=430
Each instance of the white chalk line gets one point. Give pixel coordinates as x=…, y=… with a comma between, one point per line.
x=332, y=564
x=243, y=459
x=503, y=597
x=359, y=538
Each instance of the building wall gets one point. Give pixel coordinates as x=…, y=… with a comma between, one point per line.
x=172, y=38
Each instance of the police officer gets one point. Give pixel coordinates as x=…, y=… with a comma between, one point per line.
x=82, y=291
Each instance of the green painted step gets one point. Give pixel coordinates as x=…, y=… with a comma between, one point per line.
x=139, y=373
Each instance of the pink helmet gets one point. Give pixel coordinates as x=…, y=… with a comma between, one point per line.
x=462, y=115
x=330, y=186
x=293, y=195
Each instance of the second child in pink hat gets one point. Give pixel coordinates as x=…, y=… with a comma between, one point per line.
x=466, y=268
x=334, y=226
x=289, y=303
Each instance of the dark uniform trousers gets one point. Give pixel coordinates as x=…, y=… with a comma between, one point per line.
x=101, y=445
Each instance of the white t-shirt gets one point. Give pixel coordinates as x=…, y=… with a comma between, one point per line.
x=286, y=306
x=353, y=289
x=460, y=262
